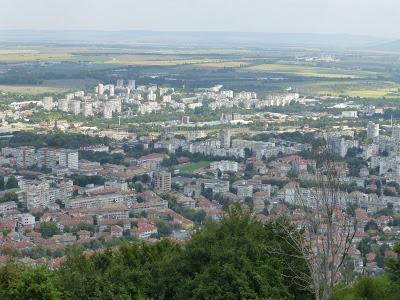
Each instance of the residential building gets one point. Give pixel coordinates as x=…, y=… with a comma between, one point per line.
x=225, y=138
x=372, y=130
x=396, y=132
x=162, y=181
x=47, y=158
x=69, y=159
x=26, y=219
x=47, y=103
x=26, y=157
x=224, y=166
x=75, y=107
x=87, y=109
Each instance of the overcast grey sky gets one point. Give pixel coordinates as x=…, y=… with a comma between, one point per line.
x=378, y=18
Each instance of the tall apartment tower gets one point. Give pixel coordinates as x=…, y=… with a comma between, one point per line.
x=87, y=109
x=132, y=84
x=47, y=103
x=120, y=83
x=75, y=107
x=47, y=157
x=225, y=138
x=111, y=90
x=100, y=89
x=69, y=159
x=396, y=132
x=26, y=157
x=108, y=110
x=63, y=105
x=372, y=130
x=162, y=181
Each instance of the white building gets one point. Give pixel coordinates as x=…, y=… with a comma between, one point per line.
x=107, y=110
x=69, y=159
x=63, y=105
x=87, y=109
x=47, y=103
x=132, y=84
x=26, y=219
x=47, y=157
x=26, y=157
x=225, y=138
x=396, y=132
x=36, y=194
x=100, y=89
x=349, y=114
x=75, y=107
x=245, y=190
x=224, y=166
x=372, y=130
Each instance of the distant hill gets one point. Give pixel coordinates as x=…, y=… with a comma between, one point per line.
x=209, y=39
x=390, y=46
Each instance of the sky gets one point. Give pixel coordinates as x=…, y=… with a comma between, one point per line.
x=377, y=18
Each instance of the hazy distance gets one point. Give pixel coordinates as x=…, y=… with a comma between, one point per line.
x=377, y=18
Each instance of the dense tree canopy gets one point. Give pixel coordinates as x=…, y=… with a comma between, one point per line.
x=233, y=259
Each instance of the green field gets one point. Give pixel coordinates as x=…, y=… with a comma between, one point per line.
x=151, y=61
x=28, y=56
x=31, y=89
x=364, y=89
x=308, y=71
x=224, y=64
x=190, y=167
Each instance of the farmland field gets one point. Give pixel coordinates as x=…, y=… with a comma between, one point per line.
x=307, y=71
x=28, y=56
x=30, y=90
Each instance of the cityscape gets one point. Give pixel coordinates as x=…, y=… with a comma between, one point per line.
x=149, y=164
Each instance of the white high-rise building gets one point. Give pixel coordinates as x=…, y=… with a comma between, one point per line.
x=167, y=98
x=132, y=84
x=75, y=107
x=69, y=159
x=372, y=130
x=35, y=194
x=63, y=105
x=47, y=157
x=26, y=157
x=120, y=83
x=225, y=138
x=396, y=132
x=87, y=109
x=151, y=96
x=108, y=110
x=47, y=103
x=111, y=90
x=100, y=89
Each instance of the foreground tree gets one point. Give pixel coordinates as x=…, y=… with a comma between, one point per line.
x=235, y=259
x=327, y=231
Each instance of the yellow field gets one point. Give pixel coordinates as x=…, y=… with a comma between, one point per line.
x=377, y=93
x=143, y=61
x=31, y=90
x=224, y=64
x=26, y=56
x=306, y=71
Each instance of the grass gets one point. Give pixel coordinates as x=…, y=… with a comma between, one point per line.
x=28, y=56
x=30, y=90
x=224, y=64
x=143, y=61
x=308, y=71
x=190, y=167
x=377, y=93
x=353, y=88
